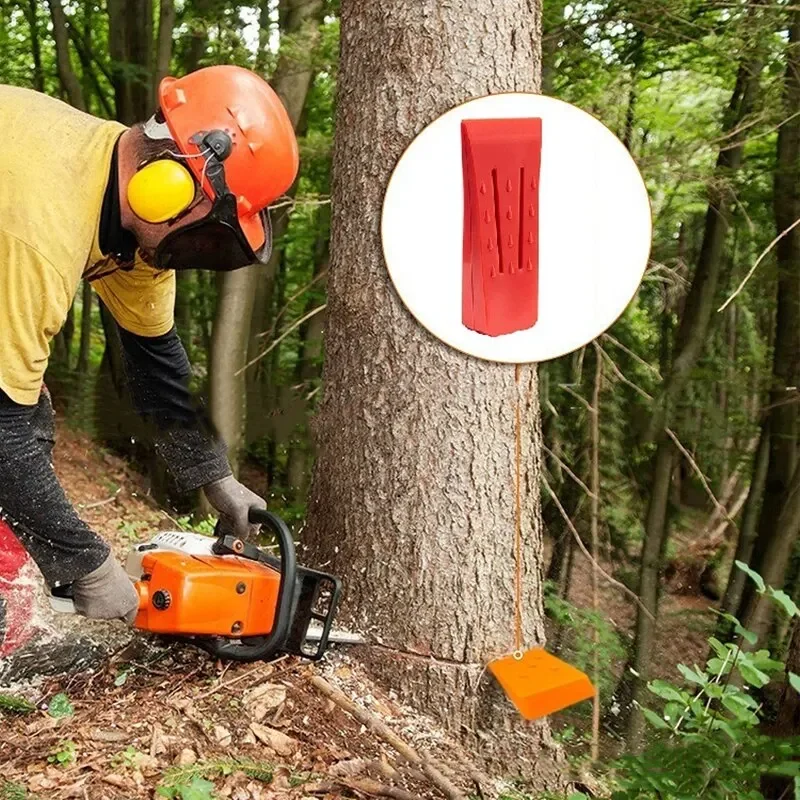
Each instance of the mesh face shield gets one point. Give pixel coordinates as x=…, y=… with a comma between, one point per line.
x=216, y=242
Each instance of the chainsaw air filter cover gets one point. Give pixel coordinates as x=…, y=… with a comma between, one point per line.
x=209, y=595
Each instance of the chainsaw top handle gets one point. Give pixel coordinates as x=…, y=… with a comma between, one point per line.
x=262, y=648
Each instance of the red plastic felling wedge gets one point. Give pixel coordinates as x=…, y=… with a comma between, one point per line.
x=501, y=161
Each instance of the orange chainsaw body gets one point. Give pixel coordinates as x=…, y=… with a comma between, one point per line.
x=212, y=595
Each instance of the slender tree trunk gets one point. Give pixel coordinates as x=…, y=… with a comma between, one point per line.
x=130, y=44
x=31, y=13
x=633, y=92
x=166, y=24
x=689, y=340
x=228, y=353
x=69, y=80
x=595, y=523
x=82, y=366
x=777, y=521
x=747, y=530
x=232, y=331
x=552, y=36
x=412, y=499
x=306, y=372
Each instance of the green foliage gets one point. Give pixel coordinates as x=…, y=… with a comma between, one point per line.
x=14, y=704
x=60, y=706
x=10, y=790
x=192, y=782
x=64, y=754
x=578, y=627
x=205, y=526
x=196, y=789
x=706, y=733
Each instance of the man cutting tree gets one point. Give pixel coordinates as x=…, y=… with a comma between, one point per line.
x=85, y=198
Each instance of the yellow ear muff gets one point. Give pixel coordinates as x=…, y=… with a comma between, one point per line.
x=160, y=191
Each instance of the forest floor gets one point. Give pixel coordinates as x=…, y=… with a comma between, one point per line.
x=158, y=721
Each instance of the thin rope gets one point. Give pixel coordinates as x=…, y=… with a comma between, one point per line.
x=518, y=517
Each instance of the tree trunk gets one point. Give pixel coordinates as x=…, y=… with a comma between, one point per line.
x=552, y=36
x=232, y=331
x=689, y=340
x=82, y=366
x=228, y=353
x=777, y=522
x=69, y=80
x=747, y=531
x=130, y=44
x=166, y=24
x=306, y=371
x=31, y=14
x=412, y=500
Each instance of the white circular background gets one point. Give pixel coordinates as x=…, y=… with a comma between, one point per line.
x=594, y=229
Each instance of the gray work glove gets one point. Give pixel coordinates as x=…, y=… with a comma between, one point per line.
x=233, y=500
x=106, y=593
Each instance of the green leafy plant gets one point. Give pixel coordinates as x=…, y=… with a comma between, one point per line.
x=578, y=646
x=197, y=789
x=204, y=526
x=190, y=782
x=127, y=758
x=132, y=530
x=15, y=705
x=10, y=790
x=63, y=754
x=706, y=732
x=60, y=706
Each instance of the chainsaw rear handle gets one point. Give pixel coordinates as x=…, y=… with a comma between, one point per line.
x=269, y=646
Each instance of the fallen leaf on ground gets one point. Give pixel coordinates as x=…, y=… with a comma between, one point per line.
x=186, y=758
x=262, y=699
x=222, y=735
x=99, y=735
x=282, y=744
x=116, y=780
x=347, y=769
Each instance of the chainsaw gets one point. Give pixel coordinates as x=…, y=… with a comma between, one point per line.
x=231, y=598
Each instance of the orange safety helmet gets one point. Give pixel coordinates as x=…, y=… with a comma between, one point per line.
x=263, y=161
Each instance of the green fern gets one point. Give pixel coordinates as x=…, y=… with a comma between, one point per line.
x=14, y=791
x=15, y=705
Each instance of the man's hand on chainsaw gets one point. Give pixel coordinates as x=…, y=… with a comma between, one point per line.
x=106, y=593
x=233, y=501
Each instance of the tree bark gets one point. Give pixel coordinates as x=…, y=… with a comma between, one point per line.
x=412, y=500
x=776, y=521
x=552, y=36
x=747, y=531
x=130, y=44
x=232, y=326
x=32, y=15
x=307, y=371
x=228, y=353
x=689, y=340
x=82, y=366
x=69, y=80
x=166, y=24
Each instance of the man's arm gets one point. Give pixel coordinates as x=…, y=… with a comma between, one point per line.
x=32, y=501
x=158, y=374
